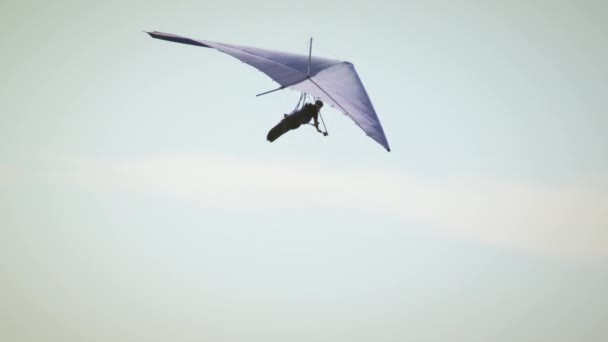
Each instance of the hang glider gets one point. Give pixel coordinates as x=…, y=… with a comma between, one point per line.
x=333, y=81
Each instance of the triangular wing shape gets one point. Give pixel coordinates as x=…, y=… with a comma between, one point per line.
x=333, y=81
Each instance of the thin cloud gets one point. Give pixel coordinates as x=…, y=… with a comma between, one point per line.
x=554, y=220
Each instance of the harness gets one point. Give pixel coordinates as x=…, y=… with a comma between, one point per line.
x=300, y=105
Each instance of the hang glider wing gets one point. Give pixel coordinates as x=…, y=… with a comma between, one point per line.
x=333, y=81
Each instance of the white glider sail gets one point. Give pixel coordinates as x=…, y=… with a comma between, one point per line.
x=333, y=81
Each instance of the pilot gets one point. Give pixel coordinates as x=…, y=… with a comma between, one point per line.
x=293, y=121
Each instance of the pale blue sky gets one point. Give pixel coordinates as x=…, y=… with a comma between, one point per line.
x=139, y=200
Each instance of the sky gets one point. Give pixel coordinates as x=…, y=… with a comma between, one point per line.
x=140, y=201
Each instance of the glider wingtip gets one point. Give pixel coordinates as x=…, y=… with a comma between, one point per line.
x=154, y=34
